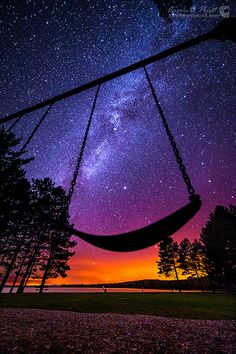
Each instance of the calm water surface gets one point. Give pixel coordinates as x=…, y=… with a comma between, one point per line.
x=55, y=289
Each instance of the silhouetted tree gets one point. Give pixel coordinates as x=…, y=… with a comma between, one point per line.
x=34, y=240
x=57, y=252
x=192, y=260
x=56, y=261
x=20, y=265
x=20, y=240
x=14, y=202
x=168, y=258
x=50, y=251
x=40, y=216
x=218, y=238
x=14, y=185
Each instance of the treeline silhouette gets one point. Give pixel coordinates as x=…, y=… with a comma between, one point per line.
x=32, y=245
x=212, y=257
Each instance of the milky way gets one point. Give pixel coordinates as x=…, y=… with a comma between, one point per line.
x=129, y=177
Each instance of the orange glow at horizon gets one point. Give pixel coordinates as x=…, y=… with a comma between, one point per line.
x=91, y=265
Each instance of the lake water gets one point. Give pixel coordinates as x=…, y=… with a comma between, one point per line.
x=86, y=290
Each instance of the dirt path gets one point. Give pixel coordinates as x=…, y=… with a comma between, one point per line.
x=42, y=331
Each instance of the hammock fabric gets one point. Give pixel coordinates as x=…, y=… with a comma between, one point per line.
x=145, y=237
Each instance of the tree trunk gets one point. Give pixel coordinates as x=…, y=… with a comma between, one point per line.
x=31, y=263
x=14, y=282
x=212, y=285
x=5, y=253
x=45, y=275
x=27, y=273
x=199, y=280
x=10, y=266
x=177, y=277
x=18, y=272
x=4, y=244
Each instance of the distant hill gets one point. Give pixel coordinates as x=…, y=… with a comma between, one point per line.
x=188, y=284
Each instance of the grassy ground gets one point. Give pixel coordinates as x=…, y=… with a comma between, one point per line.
x=190, y=305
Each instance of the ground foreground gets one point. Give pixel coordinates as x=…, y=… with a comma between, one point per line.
x=192, y=306
x=43, y=331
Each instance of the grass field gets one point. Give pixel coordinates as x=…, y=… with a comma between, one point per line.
x=190, y=305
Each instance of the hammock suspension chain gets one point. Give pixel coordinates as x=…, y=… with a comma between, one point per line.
x=36, y=128
x=136, y=239
x=14, y=124
x=175, y=149
x=76, y=171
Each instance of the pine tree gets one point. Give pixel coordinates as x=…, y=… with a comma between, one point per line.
x=192, y=260
x=50, y=250
x=57, y=248
x=218, y=238
x=168, y=258
x=14, y=185
x=33, y=240
x=14, y=202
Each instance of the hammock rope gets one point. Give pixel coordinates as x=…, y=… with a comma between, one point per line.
x=81, y=154
x=14, y=124
x=36, y=128
x=150, y=235
x=173, y=144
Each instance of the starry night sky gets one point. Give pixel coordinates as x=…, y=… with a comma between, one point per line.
x=129, y=176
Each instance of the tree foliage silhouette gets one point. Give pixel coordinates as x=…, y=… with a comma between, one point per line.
x=14, y=185
x=168, y=258
x=186, y=257
x=33, y=240
x=192, y=260
x=14, y=202
x=56, y=244
x=51, y=248
x=218, y=238
x=212, y=256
